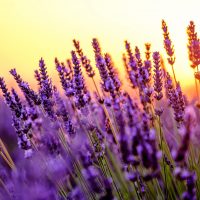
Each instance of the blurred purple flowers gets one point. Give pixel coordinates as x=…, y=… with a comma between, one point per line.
x=108, y=142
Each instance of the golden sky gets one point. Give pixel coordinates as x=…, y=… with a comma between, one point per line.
x=30, y=29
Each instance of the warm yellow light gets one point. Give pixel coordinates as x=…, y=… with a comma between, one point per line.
x=45, y=28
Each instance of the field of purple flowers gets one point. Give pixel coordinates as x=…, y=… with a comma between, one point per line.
x=106, y=144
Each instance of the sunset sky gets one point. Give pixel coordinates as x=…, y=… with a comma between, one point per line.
x=31, y=29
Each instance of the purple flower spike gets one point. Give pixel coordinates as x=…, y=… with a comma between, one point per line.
x=158, y=75
x=65, y=78
x=138, y=57
x=84, y=60
x=82, y=96
x=46, y=89
x=132, y=63
x=8, y=99
x=168, y=44
x=96, y=46
x=29, y=94
x=178, y=104
x=112, y=72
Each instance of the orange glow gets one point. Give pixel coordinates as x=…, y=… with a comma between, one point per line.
x=45, y=28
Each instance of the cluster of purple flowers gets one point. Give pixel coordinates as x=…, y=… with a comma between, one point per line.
x=108, y=142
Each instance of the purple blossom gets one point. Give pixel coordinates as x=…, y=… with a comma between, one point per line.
x=168, y=44
x=63, y=114
x=8, y=99
x=38, y=78
x=112, y=72
x=81, y=147
x=177, y=103
x=96, y=46
x=101, y=65
x=84, y=60
x=65, y=78
x=46, y=90
x=158, y=75
x=82, y=96
x=138, y=57
x=29, y=94
x=133, y=74
x=193, y=45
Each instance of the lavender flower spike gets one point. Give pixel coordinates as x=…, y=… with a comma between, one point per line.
x=28, y=92
x=157, y=76
x=6, y=94
x=84, y=60
x=82, y=97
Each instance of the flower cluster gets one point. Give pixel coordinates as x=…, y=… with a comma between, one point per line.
x=103, y=141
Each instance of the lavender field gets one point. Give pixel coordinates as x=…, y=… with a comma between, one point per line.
x=107, y=141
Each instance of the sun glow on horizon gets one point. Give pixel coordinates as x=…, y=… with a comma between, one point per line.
x=33, y=29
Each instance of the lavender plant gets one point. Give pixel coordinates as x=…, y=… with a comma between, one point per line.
x=104, y=141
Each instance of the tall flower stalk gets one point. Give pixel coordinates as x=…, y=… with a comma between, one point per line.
x=169, y=47
x=194, y=54
x=107, y=145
